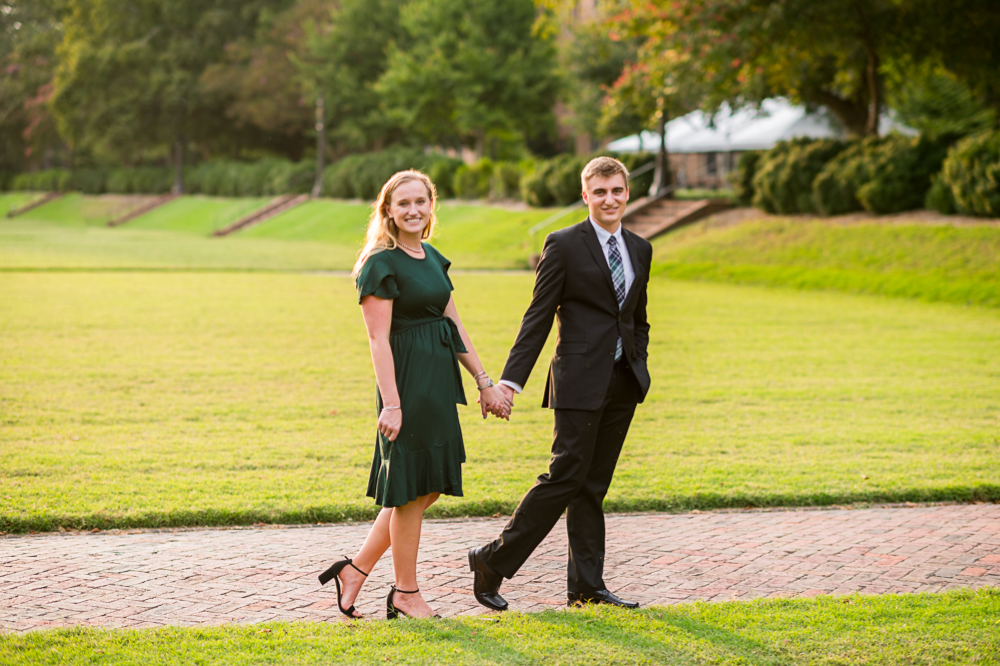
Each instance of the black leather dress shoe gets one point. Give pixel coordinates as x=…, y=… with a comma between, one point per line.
x=599, y=597
x=485, y=584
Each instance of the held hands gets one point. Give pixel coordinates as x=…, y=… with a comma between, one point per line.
x=492, y=401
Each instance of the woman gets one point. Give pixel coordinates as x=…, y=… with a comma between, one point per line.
x=417, y=341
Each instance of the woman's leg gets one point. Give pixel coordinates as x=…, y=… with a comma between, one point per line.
x=404, y=533
x=375, y=545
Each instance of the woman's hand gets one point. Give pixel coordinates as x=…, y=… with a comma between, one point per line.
x=390, y=421
x=493, y=400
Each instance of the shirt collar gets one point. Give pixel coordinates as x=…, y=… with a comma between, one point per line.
x=603, y=235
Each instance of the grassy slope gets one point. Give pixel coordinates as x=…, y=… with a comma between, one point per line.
x=193, y=398
x=198, y=215
x=933, y=263
x=472, y=236
x=69, y=234
x=11, y=200
x=959, y=627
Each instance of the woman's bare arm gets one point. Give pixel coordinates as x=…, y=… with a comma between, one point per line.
x=377, y=313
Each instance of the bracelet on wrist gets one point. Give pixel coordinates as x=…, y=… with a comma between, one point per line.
x=481, y=374
x=390, y=407
x=487, y=384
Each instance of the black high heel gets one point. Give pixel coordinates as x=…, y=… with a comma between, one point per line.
x=393, y=613
x=334, y=573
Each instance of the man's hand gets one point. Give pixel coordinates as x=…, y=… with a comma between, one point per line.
x=508, y=394
x=492, y=400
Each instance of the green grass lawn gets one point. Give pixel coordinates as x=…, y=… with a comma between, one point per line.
x=933, y=263
x=146, y=399
x=959, y=627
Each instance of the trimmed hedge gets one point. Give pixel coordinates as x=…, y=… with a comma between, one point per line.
x=971, y=173
x=783, y=180
x=557, y=181
x=900, y=174
x=474, y=181
x=742, y=178
x=49, y=180
x=361, y=176
x=229, y=178
x=940, y=198
x=540, y=183
x=835, y=189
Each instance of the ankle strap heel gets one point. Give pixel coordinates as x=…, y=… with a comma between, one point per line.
x=391, y=612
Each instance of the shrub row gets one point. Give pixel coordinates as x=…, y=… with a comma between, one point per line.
x=539, y=183
x=830, y=177
x=362, y=176
x=882, y=175
x=970, y=180
x=557, y=181
x=140, y=180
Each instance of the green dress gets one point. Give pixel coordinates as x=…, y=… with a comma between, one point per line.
x=428, y=453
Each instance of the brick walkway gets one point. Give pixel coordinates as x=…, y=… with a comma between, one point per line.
x=145, y=579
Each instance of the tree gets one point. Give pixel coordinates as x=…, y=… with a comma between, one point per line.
x=259, y=84
x=594, y=58
x=469, y=71
x=345, y=58
x=832, y=53
x=128, y=77
x=29, y=34
x=661, y=83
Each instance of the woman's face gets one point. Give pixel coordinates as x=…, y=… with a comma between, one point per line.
x=410, y=207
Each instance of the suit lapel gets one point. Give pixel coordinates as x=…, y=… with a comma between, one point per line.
x=633, y=258
x=594, y=245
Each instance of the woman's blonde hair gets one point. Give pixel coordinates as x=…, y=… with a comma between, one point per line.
x=382, y=231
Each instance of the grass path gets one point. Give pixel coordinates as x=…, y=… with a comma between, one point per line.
x=176, y=399
x=955, y=628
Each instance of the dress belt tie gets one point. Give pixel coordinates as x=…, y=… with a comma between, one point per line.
x=449, y=336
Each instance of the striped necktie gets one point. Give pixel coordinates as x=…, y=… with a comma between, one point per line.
x=618, y=278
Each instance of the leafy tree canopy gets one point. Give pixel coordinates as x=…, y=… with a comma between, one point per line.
x=468, y=70
x=128, y=78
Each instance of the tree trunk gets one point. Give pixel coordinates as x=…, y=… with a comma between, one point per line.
x=480, y=148
x=178, y=187
x=317, y=189
x=661, y=173
x=853, y=115
x=874, y=92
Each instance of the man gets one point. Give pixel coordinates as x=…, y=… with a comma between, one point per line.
x=592, y=278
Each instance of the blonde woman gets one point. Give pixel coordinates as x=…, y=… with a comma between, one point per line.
x=417, y=343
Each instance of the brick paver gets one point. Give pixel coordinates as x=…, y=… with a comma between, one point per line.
x=145, y=579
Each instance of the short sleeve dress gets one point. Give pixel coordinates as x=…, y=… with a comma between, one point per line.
x=428, y=453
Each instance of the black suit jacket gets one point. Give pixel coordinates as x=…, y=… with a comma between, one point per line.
x=573, y=283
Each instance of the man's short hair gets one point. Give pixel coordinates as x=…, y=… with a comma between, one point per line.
x=605, y=167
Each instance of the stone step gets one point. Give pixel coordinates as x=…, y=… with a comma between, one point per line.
x=273, y=208
x=142, y=210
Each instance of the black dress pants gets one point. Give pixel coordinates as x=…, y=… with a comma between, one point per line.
x=585, y=451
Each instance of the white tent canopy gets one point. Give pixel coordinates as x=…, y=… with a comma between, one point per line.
x=746, y=129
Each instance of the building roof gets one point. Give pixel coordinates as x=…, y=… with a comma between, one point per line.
x=745, y=129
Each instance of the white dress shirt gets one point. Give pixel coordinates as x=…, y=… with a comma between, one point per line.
x=603, y=236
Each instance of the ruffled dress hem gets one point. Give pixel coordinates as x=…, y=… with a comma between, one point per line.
x=435, y=469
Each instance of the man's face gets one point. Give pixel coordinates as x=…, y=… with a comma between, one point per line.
x=606, y=199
